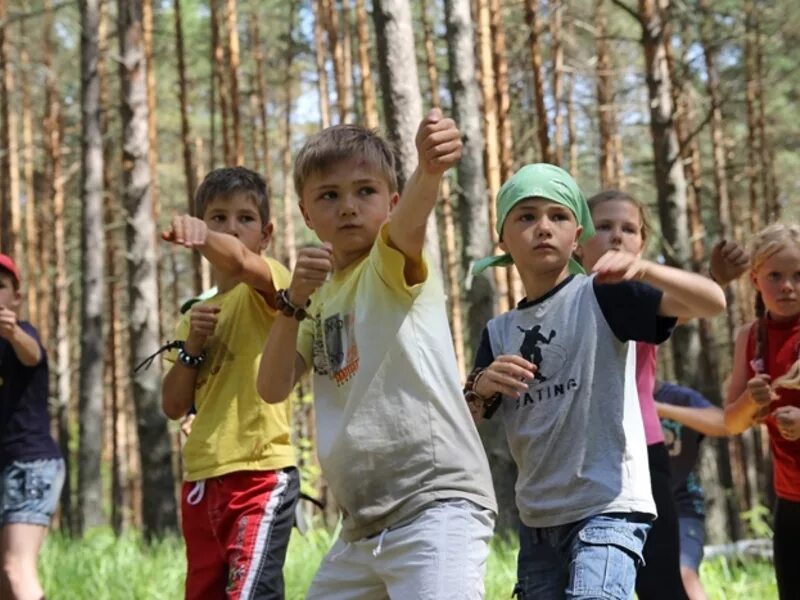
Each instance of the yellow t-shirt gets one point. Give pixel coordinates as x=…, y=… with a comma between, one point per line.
x=235, y=430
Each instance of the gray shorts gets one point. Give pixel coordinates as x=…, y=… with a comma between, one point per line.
x=441, y=554
x=29, y=491
x=693, y=536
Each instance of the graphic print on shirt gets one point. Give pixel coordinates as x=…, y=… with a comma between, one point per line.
x=335, y=352
x=672, y=436
x=550, y=358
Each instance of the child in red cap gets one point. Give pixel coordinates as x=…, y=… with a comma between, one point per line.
x=31, y=467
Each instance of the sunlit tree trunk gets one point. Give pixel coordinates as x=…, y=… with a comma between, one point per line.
x=401, y=98
x=605, y=102
x=450, y=257
x=751, y=100
x=364, y=66
x=331, y=19
x=90, y=405
x=347, y=60
x=189, y=164
x=59, y=291
x=221, y=84
x=320, y=54
x=557, y=51
x=10, y=239
x=288, y=236
x=263, y=100
x=32, y=264
x=158, y=500
x=233, y=77
x=534, y=31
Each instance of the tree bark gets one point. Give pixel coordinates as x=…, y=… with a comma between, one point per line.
x=233, y=76
x=751, y=87
x=288, y=237
x=449, y=257
x=532, y=20
x=605, y=102
x=59, y=291
x=189, y=164
x=401, y=97
x=32, y=263
x=557, y=51
x=263, y=100
x=158, y=500
x=669, y=178
x=364, y=66
x=222, y=86
x=331, y=20
x=10, y=240
x=320, y=55
x=90, y=404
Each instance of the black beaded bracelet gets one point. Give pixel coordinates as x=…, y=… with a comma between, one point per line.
x=289, y=308
x=187, y=360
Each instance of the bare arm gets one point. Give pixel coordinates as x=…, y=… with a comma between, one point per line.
x=281, y=366
x=439, y=147
x=25, y=346
x=687, y=295
x=708, y=421
x=744, y=398
x=228, y=255
x=177, y=387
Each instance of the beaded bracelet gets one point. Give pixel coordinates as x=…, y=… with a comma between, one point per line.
x=289, y=309
x=187, y=360
x=479, y=406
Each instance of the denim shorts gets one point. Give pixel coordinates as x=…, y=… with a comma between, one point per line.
x=594, y=558
x=29, y=491
x=693, y=536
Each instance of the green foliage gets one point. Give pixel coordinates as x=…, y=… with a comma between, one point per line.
x=102, y=566
x=758, y=521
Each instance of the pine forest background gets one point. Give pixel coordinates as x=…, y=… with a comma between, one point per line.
x=111, y=112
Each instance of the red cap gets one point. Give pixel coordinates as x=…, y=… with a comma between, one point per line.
x=9, y=265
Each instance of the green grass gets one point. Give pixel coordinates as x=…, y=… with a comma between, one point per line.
x=101, y=567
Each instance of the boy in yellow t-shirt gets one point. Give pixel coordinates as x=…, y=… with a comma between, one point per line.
x=241, y=483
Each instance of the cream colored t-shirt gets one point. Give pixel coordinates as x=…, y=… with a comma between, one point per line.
x=235, y=430
x=393, y=431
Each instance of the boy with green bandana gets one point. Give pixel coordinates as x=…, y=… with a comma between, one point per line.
x=562, y=373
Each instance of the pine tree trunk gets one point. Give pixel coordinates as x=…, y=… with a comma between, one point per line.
x=221, y=84
x=532, y=20
x=557, y=51
x=331, y=20
x=32, y=264
x=233, y=73
x=347, y=61
x=90, y=404
x=605, y=102
x=669, y=178
x=288, y=237
x=449, y=257
x=263, y=101
x=491, y=154
x=10, y=240
x=158, y=501
x=364, y=66
x=572, y=140
x=59, y=291
x=751, y=100
x=401, y=98
x=320, y=55
x=769, y=193
x=189, y=164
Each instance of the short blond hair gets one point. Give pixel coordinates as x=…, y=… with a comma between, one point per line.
x=342, y=142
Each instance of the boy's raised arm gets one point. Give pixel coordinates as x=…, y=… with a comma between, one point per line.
x=281, y=365
x=225, y=252
x=25, y=346
x=439, y=148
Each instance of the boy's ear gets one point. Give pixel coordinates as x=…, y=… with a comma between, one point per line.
x=306, y=216
x=266, y=235
x=394, y=200
x=502, y=245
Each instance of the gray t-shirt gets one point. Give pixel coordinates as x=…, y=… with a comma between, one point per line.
x=576, y=434
x=393, y=431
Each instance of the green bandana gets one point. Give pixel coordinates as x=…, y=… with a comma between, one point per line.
x=540, y=180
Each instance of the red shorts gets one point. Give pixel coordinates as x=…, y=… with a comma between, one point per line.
x=236, y=528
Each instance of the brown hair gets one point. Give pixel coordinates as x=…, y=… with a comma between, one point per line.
x=608, y=195
x=225, y=182
x=341, y=142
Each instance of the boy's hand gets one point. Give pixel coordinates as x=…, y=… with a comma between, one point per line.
x=760, y=391
x=187, y=231
x=616, y=266
x=509, y=375
x=310, y=272
x=438, y=143
x=728, y=261
x=8, y=323
x=202, y=322
x=788, y=420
